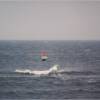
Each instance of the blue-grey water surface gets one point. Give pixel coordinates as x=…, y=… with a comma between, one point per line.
x=80, y=61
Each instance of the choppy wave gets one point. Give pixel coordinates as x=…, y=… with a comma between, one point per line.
x=64, y=72
x=28, y=71
x=52, y=70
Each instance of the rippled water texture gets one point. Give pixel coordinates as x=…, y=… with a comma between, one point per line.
x=79, y=60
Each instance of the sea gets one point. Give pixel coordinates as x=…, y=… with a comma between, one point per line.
x=78, y=60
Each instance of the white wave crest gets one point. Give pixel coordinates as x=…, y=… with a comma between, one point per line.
x=53, y=69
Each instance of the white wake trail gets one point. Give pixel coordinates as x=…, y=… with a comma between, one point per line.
x=53, y=70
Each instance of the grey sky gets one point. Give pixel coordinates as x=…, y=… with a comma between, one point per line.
x=49, y=20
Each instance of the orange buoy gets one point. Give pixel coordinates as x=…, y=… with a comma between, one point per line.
x=44, y=56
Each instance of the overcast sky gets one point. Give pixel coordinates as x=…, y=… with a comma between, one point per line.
x=49, y=20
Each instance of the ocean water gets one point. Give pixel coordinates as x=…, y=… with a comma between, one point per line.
x=79, y=60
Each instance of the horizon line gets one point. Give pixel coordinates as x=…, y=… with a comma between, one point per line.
x=50, y=40
x=49, y=1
